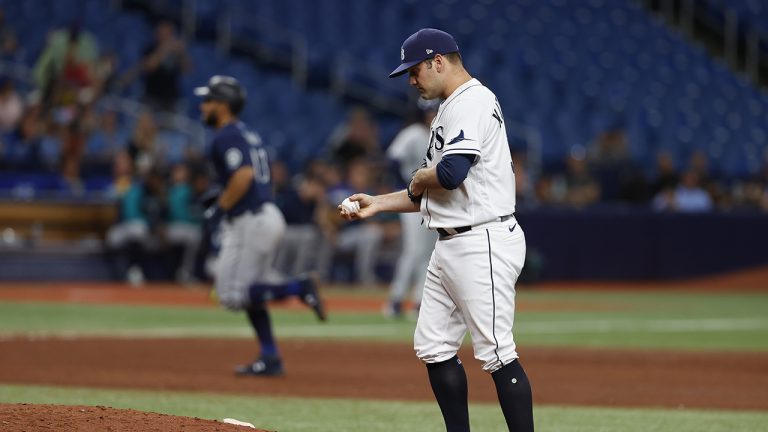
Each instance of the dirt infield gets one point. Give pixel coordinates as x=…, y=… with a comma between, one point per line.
x=27, y=417
x=599, y=377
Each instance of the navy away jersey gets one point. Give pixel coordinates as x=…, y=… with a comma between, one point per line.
x=233, y=147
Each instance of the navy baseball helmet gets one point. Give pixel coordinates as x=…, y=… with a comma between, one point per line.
x=225, y=89
x=422, y=45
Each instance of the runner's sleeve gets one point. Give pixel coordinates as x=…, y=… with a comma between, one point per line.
x=234, y=151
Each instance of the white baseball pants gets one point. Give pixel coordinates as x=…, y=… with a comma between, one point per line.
x=471, y=285
x=248, y=246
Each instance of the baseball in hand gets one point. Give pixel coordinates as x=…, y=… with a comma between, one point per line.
x=350, y=207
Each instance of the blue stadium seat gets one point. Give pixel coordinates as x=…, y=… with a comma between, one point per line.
x=566, y=68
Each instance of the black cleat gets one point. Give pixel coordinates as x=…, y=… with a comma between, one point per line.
x=393, y=309
x=264, y=366
x=311, y=297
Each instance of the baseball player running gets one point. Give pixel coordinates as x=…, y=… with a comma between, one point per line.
x=252, y=225
x=465, y=192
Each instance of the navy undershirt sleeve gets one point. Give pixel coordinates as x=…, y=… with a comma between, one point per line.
x=453, y=169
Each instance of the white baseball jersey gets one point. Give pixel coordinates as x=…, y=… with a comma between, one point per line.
x=471, y=276
x=470, y=122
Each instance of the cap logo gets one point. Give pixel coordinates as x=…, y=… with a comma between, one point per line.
x=402, y=54
x=429, y=51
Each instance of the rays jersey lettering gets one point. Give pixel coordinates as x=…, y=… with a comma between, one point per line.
x=233, y=147
x=470, y=122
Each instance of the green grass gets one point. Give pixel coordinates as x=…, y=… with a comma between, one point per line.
x=653, y=319
x=339, y=415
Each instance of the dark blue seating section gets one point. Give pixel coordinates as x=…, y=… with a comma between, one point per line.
x=569, y=69
x=751, y=13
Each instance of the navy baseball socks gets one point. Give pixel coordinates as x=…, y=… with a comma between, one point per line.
x=515, y=398
x=305, y=289
x=449, y=383
x=258, y=315
x=268, y=363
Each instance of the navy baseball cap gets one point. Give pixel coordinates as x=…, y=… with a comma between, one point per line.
x=422, y=45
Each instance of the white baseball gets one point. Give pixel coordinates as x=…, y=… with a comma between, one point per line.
x=350, y=207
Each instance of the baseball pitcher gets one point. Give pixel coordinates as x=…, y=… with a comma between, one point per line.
x=465, y=192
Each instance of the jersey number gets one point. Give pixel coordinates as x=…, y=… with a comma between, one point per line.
x=260, y=162
x=259, y=158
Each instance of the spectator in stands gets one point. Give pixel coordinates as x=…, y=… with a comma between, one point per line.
x=582, y=189
x=609, y=149
x=357, y=137
x=762, y=177
x=699, y=163
x=750, y=194
x=549, y=189
x=610, y=159
x=122, y=175
x=11, y=105
x=165, y=61
x=666, y=177
x=764, y=202
x=104, y=74
x=64, y=66
x=688, y=196
x=24, y=146
x=9, y=44
x=64, y=76
x=105, y=141
x=302, y=201
x=141, y=214
x=184, y=218
x=72, y=151
x=142, y=146
x=523, y=184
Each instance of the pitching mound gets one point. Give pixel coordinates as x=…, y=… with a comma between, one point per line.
x=26, y=417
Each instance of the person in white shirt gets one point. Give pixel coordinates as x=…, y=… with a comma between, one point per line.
x=465, y=192
x=407, y=149
x=11, y=106
x=687, y=197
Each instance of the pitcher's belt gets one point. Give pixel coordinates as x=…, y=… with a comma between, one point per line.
x=444, y=232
